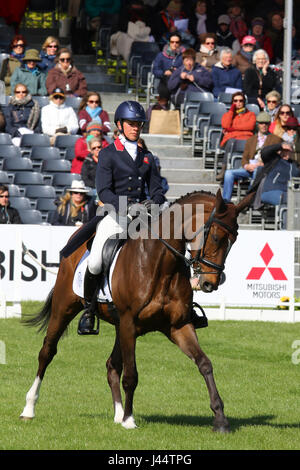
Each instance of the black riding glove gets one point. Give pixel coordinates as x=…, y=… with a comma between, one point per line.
x=147, y=203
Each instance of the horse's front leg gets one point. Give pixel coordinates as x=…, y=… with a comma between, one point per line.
x=114, y=371
x=130, y=375
x=186, y=339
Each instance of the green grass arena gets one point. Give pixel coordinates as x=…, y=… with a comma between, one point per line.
x=256, y=367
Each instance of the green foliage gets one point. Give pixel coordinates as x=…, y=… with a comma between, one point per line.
x=253, y=368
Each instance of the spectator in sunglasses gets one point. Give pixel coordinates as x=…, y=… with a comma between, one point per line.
x=8, y=66
x=88, y=169
x=22, y=114
x=208, y=55
x=93, y=129
x=90, y=109
x=283, y=114
x=48, y=54
x=66, y=76
x=8, y=214
x=273, y=100
x=238, y=123
x=75, y=207
x=57, y=118
x=30, y=74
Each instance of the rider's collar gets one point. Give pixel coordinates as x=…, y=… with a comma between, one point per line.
x=130, y=146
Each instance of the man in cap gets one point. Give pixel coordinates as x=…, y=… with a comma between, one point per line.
x=57, y=118
x=224, y=36
x=251, y=159
x=30, y=75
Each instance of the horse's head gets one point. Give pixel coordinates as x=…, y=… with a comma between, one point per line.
x=220, y=232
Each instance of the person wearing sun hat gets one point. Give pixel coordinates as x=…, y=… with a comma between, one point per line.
x=57, y=118
x=75, y=207
x=93, y=129
x=30, y=74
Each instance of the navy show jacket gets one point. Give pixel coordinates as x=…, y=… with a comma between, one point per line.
x=117, y=174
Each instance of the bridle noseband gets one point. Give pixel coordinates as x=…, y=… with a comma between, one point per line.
x=200, y=255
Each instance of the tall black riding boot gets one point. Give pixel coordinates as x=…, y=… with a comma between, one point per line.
x=87, y=320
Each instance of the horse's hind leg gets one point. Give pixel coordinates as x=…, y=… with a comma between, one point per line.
x=114, y=371
x=186, y=339
x=61, y=315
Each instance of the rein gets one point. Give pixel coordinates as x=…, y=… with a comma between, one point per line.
x=201, y=258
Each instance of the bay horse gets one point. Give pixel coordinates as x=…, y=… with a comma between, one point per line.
x=151, y=291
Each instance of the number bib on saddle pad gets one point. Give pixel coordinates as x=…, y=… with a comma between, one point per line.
x=79, y=278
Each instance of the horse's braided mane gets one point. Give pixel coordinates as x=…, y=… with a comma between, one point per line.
x=185, y=196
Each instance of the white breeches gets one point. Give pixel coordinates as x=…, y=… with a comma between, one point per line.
x=106, y=228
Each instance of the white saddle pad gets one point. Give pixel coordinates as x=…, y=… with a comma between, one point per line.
x=79, y=278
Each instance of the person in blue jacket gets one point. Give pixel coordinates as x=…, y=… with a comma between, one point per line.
x=190, y=76
x=166, y=61
x=225, y=75
x=48, y=54
x=282, y=167
x=123, y=170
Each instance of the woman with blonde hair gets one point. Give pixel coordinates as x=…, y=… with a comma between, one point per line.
x=90, y=109
x=273, y=99
x=48, y=53
x=75, y=207
x=283, y=114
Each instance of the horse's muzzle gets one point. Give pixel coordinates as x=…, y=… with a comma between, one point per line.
x=208, y=286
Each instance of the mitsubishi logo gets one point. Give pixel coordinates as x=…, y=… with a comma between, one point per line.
x=276, y=273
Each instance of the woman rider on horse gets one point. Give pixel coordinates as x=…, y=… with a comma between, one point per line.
x=123, y=169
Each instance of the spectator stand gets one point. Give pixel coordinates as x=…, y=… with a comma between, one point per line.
x=152, y=88
x=189, y=111
x=201, y=122
x=142, y=55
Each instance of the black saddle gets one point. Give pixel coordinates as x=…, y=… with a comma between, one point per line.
x=110, y=249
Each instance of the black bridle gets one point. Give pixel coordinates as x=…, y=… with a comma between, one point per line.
x=200, y=255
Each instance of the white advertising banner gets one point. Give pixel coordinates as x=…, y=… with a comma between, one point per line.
x=259, y=270
x=21, y=277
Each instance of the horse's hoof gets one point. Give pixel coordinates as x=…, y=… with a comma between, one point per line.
x=223, y=428
x=25, y=418
x=129, y=423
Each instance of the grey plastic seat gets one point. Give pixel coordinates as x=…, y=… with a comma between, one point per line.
x=56, y=166
x=20, y=203
x=32, y=140
x=17, y=164
x=24, y=178
x=40, y=191
x=5, y=139
x=31, y=216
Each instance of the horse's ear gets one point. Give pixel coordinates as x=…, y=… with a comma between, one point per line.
x=246, y=202
x=220, y=203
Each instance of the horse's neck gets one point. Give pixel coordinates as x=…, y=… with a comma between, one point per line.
x=183, y=221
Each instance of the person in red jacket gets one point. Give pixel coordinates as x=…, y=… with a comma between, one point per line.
x=93, y=129
x=90, y=109
x=237, y=123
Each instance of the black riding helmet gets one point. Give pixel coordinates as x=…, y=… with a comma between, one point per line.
x=130, y=110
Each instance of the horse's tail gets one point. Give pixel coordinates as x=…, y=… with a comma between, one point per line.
x=41, y=319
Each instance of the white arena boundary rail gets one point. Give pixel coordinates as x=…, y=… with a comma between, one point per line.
x=261, y=269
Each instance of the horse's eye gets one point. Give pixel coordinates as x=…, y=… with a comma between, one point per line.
x=215, y=238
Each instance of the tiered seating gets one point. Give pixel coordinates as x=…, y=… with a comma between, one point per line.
x=36, y=173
